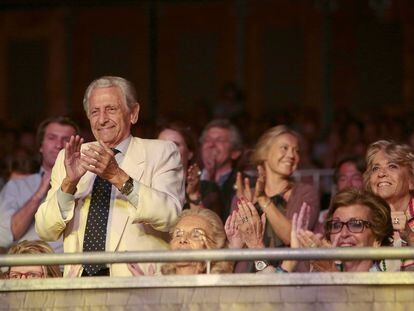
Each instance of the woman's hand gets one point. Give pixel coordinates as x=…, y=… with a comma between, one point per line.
x=193, y=182
x=300, y=222
x=136, y=270
x=232, y=231
x=250, y=224
x=244, y=189
x=310, y=240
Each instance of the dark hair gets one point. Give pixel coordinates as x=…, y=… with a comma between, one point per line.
x=380, y=212
x=184, y=130
x=357, y=161
x=62, y=120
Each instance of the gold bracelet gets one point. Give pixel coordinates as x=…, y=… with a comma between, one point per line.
x=266, y=204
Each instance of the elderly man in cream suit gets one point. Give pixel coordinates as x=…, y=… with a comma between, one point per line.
x=145, y=179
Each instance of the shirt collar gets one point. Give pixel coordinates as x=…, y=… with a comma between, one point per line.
x=122, y=147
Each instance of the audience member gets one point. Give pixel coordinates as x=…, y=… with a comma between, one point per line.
x=221, y=147
x=20, y=198
x=348, y=174
x=356, y=218
x=33, y=272
x=198, y=228
x=248, y=227
x=390, y=174
x=106, y=199
x=276, y=194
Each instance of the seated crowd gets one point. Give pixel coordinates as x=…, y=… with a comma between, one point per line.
x=234, y=198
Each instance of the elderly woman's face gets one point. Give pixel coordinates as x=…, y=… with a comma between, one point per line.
x=283, y=157
x=350, y=227
x=27, y=272
x=388, y=179
x=191, y=232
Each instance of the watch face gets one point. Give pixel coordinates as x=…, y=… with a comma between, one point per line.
x=260, y=265
x=128, y=187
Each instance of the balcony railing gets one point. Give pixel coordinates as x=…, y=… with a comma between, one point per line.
x=274, y=291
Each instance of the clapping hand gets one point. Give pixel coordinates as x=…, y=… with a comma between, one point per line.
x=250, y=224
x=100, y=160
x=310, y=240
x=73, y=162
x=244, y=189
x=232, y=231
x=193, y=181
x=300, y=223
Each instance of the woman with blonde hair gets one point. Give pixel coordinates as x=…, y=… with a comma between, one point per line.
x=28, y=272
x=390, y=175
x=276, y=194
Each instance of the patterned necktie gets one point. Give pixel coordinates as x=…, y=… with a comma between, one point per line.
x=96, y=224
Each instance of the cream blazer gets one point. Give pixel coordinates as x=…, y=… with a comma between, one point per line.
x=156, y=165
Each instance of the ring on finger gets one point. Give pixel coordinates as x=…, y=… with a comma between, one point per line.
x=313, y=245
x=245, y=219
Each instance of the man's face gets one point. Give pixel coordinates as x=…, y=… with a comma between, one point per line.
x=109, y=116
x=349, y=177
x=216, y=149
x=54, y=139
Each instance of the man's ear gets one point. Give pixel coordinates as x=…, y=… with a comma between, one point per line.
x=235, y=154
x=135, y=114
x=190, y=155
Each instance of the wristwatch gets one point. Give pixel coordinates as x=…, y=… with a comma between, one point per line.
x=260, y=264
x=127, y=187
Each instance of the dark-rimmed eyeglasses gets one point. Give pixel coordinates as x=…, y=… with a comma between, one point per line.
x=353, y=225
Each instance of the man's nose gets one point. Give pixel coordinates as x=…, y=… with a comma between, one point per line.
x=60, y=144
x=102, y=116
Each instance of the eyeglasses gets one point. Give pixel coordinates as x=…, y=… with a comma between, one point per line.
x=195, y=234
x=27, y=275
x=353, y=225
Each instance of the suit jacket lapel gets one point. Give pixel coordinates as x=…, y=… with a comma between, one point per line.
x=133, y=164
x=134, y=160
